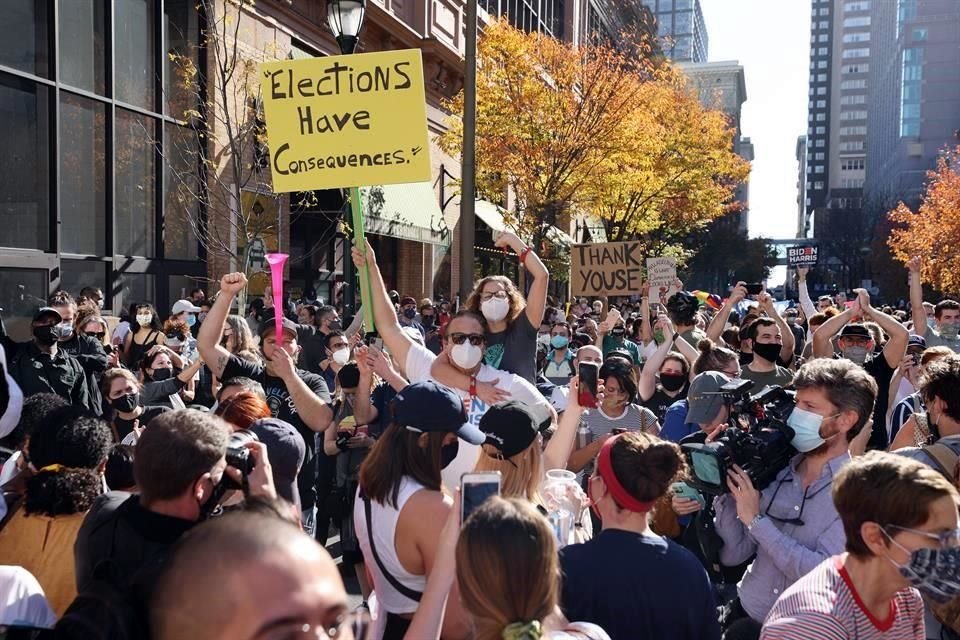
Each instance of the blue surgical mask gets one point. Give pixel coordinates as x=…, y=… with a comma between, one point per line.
x=191, y=319
x=559, y=342
x=806, y=429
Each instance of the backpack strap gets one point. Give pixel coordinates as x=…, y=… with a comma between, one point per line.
x=396, y=584
x=945, y=458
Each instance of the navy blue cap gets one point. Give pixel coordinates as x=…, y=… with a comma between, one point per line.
x=286, y=324
x=428, y=407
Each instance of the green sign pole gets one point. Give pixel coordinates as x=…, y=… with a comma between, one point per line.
x=366, y=301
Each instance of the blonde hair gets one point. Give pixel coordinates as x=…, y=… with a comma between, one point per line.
x=517, y=302
x=507, y=567
x=519, y=475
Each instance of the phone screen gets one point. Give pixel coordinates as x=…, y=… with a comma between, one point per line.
x=475, y=489
x=589, y=374
x=754, y=288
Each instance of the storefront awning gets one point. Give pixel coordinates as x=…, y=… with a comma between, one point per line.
x=404, y=211
x=491, y=214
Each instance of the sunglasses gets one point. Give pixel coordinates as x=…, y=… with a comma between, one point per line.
x=99, y=335
x=476, y=339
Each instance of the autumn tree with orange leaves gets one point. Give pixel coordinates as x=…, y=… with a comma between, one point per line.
x=932, y=233
x=598, y=131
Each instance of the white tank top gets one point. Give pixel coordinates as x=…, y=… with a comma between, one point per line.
x=384, y=528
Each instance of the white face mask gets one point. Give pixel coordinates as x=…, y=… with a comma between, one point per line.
x=466, y=355
x=144, y=320
x=341, y=356
x=495, y=309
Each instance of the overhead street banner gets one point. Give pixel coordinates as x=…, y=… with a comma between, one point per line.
x=805, y=256
x=346, y=121
x=606, y=269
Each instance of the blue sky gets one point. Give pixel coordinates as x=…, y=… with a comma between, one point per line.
x=770, y=38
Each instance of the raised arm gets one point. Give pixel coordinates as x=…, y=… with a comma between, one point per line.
x=537, y=294
x=208, y=338
x=558, y=450
x=648, y=375
x=805, y=302
x=384, y=315
x=646, y=331
x=916, y=298
x=899, y=336
x=719, y=322
x=823, y=338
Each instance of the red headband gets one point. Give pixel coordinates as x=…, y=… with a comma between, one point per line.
x=620, y=495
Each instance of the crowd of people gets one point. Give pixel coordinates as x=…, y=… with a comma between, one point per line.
x=179, y=476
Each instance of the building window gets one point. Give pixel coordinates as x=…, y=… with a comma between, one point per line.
x=920, y=35
x=856, y=164
x=818, y=185
x=851, y=146
x=856, y=53
x=820, y=143
x=821, y=117
x=853, y=115
x=823, y=37
x=818, y=156
x=821, y=104
x=821, y=91
x=822, y=51
x=859, y=21
x=911, y=87
x=860, y=99
x=863, y=67
x=906, y=10
x=821, y=64
x=862, y=5
x=854, y=84
x=818, y=168
x=821, y=130
x=860, y=36
x=824, y=11
x=853, y=131
x=822, y=77
x=823, y=25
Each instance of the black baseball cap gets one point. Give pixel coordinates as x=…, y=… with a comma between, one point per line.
x=510, y=427
x=267, y=325
x=286, y=449
x=855, y=329
x=428, y=407
x=44, y=312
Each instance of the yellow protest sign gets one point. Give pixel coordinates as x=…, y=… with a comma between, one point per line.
x=346, y=121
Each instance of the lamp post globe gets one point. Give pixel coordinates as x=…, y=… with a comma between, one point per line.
x=345, y=18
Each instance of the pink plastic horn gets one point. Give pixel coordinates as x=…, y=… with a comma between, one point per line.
x=276, y=262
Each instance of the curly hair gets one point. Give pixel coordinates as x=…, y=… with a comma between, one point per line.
x=517, y=302
x=35, y=410
x=67, y=447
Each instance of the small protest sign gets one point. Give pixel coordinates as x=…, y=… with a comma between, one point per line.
x=805, y=256
x=346, y=121
x=661, y=276
x=606, y=269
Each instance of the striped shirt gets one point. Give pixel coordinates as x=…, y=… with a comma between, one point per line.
x=825, y=605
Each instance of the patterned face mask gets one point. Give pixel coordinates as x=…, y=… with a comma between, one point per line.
x=934, y=572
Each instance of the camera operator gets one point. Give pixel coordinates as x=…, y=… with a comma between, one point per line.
x=125, y=539
x=792, y=526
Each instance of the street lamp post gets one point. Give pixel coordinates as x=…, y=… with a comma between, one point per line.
x=345, y=18
x=468, y=169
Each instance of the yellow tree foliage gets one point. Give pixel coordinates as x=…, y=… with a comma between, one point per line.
x=932, y=233
x=673, y=171
x=547, y=115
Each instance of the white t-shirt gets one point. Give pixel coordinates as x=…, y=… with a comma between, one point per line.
x=420, y=360
x=22, y=601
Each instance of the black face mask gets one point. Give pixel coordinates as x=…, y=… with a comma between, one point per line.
x=448, y=452
x=767, y=351
x=673, y=381
x=46, y=336
x=159, y=375
x=334, y=325
x=126, y=403
x=427, y=321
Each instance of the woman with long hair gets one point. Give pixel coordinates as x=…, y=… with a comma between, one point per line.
x=512, y=322
x=504, y=562
x=122, y=392
x=146, y=331
x=401, y=504
x=162, y=384
x=69, y=449
x=713, y=357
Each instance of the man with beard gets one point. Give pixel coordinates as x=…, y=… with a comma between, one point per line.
x=857, y=345
x=944, y=330
x=792, y=525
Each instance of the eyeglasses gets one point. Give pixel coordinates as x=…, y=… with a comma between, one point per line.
x=476, y=339
x=487, y=295
x=798, y=520
x=946, y=539
x=353, y=626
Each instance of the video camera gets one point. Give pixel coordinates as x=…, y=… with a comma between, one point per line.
x=757, y=439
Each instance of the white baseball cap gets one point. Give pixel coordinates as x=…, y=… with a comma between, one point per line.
x=183, y=305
